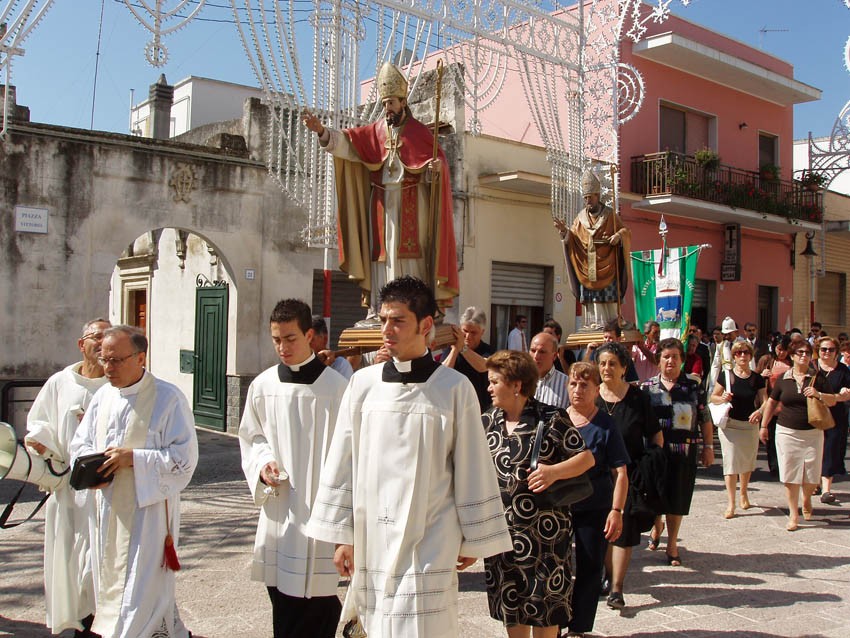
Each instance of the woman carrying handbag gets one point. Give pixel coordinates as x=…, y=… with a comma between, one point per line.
x=739, y=441
x=799, y=445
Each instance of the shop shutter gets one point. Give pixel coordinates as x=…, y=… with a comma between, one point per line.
x=517, y=284
x=345, y=302
x=700, y=299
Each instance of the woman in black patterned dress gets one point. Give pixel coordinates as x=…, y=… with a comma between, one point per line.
x=531, y=586
x=678, y=403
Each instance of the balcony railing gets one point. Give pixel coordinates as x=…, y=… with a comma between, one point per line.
x=669, y=173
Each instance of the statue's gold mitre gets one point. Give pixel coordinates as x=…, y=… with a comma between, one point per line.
x=590, y=183
x=391, y=82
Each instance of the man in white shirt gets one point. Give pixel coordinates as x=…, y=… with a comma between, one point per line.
x=722, y=359
x=552, y=386
x=516, y=337
x=409, y=491
x=284, y=436
x=146, y=429
x=52, y=422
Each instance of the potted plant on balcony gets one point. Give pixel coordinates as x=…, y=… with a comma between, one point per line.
x=707, y=158
x=769, y=172
x=813, y=180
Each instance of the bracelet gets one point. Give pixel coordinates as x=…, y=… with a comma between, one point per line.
x=618, y=510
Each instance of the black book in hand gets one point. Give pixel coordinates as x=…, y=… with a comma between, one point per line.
x=85, y=474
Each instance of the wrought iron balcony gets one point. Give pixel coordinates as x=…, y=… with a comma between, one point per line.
x=669, y=173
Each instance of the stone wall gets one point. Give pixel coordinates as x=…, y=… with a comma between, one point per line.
x=237, y=390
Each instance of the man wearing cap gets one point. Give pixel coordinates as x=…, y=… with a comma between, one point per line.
x=383, y=181
x=722, y=359
x=596, y=249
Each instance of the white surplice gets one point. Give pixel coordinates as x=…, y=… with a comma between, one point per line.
x=409, y=482
x=162, y=468
x=291, y=424
x=52, y=421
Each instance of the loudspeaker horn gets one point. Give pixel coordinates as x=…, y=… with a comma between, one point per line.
x=21, y=464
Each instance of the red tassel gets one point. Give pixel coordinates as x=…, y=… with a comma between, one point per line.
x=169, y=558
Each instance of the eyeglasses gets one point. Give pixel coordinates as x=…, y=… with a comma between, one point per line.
x=803, y=353
x=742, y=353
x=827, y=349
x=95, y=336
x=116, y=361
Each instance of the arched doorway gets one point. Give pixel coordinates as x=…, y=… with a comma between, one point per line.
x=176, y=286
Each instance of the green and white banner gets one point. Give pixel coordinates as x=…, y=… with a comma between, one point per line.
x=664, y=287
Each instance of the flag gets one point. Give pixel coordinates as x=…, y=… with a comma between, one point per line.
x=664, y=287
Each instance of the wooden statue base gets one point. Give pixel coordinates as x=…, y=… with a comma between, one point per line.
x=369, y=339
x=582, y=338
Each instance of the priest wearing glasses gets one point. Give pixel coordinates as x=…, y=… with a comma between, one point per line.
x=146, y=429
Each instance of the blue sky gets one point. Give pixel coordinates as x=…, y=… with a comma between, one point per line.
x=55, y=76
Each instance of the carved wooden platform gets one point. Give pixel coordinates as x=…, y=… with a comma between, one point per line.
x=583, y=338
x=361, y=340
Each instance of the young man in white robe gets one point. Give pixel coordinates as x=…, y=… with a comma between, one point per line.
x=52, y=422
x=409, y=490
x=146, y=429
x=284, y=436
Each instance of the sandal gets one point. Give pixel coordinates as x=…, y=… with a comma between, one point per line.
x=653, y=541
x=807, y=515
x=674, y=561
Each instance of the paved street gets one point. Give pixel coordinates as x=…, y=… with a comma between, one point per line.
x=742, y=577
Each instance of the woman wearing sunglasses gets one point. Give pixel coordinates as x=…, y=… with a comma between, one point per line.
x=835, y=440
x=739, y=443
x=799, y=446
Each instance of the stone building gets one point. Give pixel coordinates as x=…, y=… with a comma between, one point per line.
x=144, y=231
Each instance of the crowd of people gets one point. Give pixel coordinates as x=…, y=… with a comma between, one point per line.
x=549, y=464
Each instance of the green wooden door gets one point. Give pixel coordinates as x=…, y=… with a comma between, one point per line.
x=209, y=395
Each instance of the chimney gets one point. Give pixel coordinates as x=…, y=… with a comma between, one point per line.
x=161, y=97
x=16, y=112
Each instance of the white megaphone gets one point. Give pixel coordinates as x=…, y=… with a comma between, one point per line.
x=19, y=463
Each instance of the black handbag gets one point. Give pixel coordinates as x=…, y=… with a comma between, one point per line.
x=564, y=492
x=85, y=474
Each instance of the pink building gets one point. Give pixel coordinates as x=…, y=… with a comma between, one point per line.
x=704, y=90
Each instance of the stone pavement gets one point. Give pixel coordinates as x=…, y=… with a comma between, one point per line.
x=745, y=577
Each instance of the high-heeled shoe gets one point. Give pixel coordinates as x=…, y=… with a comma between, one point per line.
x=655, y=541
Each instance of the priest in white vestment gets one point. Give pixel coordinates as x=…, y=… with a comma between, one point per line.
x=409, y=491
x=52, y=422
x=146, y=428
x=284, y=435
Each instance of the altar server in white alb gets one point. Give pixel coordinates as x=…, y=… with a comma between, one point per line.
x=285, y=434
x=408, y=491
x=52, y=421
x=146, y=428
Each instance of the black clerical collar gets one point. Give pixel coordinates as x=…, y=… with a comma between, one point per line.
x=415, y=371
x=305, y=373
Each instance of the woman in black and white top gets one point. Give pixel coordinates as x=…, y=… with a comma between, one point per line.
x=739, y=441
x=799, y=446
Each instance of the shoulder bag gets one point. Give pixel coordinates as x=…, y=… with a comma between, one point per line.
x=564, y=492
x=819, y=415
x=720, y=411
